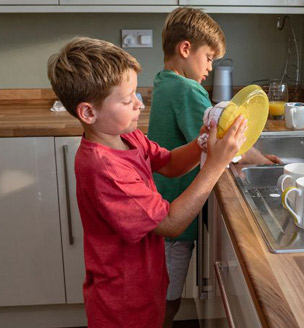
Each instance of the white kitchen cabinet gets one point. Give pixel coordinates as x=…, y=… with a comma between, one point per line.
x=272, y=3
x=119, y=2
x=29, y=2
x=226, y=276
x=152, y=6
x=71, y=227
x=30, y=239
x=41, y=239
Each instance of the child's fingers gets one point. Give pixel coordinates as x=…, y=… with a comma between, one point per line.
x=240, y=135
x=241, y=140
x=237, y=128
x=204, y=129
x=236, y=133
x=212, y=132
x=242, y=128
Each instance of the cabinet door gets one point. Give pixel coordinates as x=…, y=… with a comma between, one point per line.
x=29, y=2
x=272, y=3
x=72, y=233
x=236, y=297
x=119, y=2
x=30, y=243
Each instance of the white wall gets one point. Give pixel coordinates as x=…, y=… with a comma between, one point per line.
x=27, y=40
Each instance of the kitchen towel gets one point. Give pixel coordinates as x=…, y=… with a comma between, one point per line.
x=212, y=113
x=58, y=107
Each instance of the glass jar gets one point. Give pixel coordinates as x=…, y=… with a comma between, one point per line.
x=278, y=96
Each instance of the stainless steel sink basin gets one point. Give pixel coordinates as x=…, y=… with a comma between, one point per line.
x=261, y=176
x=258, y=185
x=289, y=146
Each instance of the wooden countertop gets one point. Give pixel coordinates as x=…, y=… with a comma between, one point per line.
x=276, y=281
x=35, y=119
x=25, y=118
x=27, y=114
x=277, y=125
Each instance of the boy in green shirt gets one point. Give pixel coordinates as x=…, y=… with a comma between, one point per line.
x=191, y=41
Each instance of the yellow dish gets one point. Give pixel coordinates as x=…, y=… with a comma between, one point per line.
x=252, y=103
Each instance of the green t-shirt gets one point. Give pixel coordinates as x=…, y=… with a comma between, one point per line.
x=177, y=110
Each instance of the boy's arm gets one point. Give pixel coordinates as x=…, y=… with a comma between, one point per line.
x=254, y=156
x=183, y=159
x=186, y=206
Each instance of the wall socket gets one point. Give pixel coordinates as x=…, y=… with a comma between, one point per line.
x=136, y=38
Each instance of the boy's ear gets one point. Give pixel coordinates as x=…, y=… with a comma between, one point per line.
x=184, y=48
x=86, y=113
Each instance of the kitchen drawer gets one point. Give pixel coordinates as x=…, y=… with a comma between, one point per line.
x=235, y=294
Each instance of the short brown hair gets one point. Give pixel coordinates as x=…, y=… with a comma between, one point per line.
x=87, y=69
x=195, y=26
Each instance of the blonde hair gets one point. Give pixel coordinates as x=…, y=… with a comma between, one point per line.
x=86, y=70
x=195, y=26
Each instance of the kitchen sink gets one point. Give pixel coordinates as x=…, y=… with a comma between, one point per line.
x=258, y=185
x=288, y=145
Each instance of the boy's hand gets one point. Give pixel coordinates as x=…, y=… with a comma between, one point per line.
x=254, y=156
x=273, y=159
x=203, y=129
x=221, y=151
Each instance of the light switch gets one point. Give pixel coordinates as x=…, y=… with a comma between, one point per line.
x=145, y=39
x=128, y=41
x=136, y=38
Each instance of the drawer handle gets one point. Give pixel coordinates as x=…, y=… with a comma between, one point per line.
x=67, y=193
x=219, y=268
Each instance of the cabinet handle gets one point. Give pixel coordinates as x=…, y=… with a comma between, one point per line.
x=219, y=267
x=200, y=255
x=67, y=193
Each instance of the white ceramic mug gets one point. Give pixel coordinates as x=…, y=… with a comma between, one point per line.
x=298, y=210
x=291, y=173
x=294, y=115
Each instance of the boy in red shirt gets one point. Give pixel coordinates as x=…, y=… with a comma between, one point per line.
x=124, y=217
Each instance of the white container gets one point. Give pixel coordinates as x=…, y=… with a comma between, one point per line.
x=294, y=115
x=222, y=80
x=296, y=210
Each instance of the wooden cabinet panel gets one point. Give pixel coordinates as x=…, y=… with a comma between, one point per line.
x=30, y=241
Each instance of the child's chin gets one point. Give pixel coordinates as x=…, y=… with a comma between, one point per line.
x=132, y=128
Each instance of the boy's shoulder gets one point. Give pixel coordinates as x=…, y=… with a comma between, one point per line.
x=169, y=80
x=168, y=76
x=135, y=137
x=92, y=154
